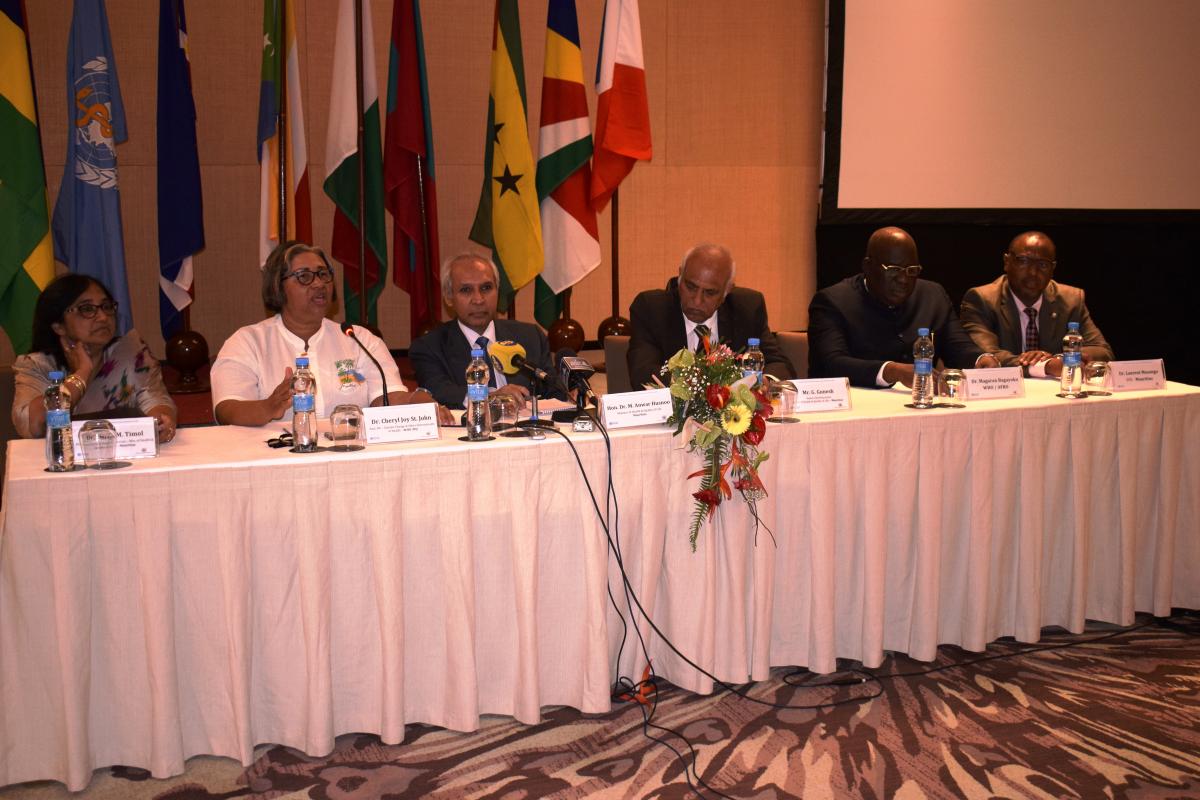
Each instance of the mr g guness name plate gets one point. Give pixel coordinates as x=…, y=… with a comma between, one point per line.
x=993, y=384
x=411, y=423
x=631, y=409
x=135, y=438
x=821, y=394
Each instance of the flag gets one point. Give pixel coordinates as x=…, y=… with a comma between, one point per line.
x=26, y=257
x=281, y=115
x=341, y=158
x=87, y=216
x=408, y=177
x=622, y=110
x=569, y=229
x=507, y=218
x=180, y=214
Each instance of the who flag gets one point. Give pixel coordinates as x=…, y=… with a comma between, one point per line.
x=507, y=219
x=87, y=215
x=26, y=257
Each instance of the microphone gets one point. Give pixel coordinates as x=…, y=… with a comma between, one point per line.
x=509, y=358
x=348, y=329
x=574, y=372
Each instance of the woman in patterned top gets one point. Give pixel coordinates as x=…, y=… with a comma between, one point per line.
x=74, y=330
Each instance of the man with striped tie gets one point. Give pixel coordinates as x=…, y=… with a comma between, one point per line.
x=1021, y=317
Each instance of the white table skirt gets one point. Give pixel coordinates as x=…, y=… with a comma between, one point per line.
x=224, y=594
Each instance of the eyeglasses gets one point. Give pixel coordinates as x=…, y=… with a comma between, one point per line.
x=1043, y=265
x=89, y=310
x=304, y=277
x=894, y=271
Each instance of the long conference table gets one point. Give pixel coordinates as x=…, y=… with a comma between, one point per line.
x=226, y=594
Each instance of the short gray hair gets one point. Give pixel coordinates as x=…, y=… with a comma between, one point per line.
x=447, y=284
x=711, y=247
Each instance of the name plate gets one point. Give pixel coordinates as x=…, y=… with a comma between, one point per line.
x=409, y=423
x=821, y=394
x=631, y=409
x=135, y=438
x=993, y=384
x=1132, y=376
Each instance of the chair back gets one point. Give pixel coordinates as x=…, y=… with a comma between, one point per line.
x=615, y=367
x=794, y=345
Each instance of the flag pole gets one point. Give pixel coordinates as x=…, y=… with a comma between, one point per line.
x=431, y=291
x=282, y=142
x=616, y=325
x=362, y=166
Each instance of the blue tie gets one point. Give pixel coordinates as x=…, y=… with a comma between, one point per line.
x=482, y=344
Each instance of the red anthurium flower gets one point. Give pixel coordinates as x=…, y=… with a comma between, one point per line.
x=710, y=497
x=764, y=403
x=757, y=430
x=717, y=396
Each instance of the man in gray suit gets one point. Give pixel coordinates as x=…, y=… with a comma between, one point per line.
x=1021, y=317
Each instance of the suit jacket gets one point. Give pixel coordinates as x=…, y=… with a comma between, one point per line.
x=440, y=359
x=659, y=331
x=996, y=324
x=851, y=334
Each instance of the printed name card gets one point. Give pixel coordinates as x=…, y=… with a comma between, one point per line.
x=135, y=438
x=1131, y=376
x=631, y=409
x=409, y=423
x=993, y=384
x=821, y=394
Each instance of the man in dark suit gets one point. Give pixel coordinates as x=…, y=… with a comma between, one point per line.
x=701, y=301
x=863, y=328
x=1021, y=317
x=470, y=289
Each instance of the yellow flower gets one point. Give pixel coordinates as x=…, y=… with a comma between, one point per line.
x=735, y=419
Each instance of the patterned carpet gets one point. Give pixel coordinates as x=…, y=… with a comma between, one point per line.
x=1112, y=713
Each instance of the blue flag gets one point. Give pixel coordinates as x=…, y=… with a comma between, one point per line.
x=87, y=216
x=180, y=215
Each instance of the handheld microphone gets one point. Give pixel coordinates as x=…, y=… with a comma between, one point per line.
x=509, y=358
x=348, y=329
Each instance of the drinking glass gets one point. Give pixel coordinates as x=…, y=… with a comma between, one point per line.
x=503, y=409
x=98, y=439
x=1095, y=378
x=782, y=395
x=346, y=428
x=950, y=387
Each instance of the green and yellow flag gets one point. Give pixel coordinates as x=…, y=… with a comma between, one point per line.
x=26, y=255
x=508, y=220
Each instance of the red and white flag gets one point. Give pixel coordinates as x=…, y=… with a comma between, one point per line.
x=622, y=111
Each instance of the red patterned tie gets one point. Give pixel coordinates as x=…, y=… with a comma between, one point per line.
x=1031, y=330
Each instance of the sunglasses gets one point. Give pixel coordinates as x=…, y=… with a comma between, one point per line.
x=90, y=310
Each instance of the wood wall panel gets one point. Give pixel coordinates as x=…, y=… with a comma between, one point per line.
x=735, y=93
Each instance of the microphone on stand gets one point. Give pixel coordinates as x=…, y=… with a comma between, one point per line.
x=574, y=372
x=509, y=358
x=348, y=329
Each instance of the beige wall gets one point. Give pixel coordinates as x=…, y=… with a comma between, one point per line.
x=735, y=96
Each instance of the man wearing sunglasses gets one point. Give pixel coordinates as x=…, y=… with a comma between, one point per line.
x=1021, y=317
x=863, y=328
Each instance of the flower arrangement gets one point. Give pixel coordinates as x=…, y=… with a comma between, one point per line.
x=723, y=417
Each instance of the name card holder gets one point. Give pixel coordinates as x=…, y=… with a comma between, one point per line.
x=821, y=394
x=994, y=384
x=410, y=423
x=633, y=409
x=135, y=438
x=1135, y=376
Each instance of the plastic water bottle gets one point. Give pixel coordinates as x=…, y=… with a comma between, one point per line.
x=476, y=418
x=753, y=361
x=922, y=387
x=304, y=408
x=60, y=452
x=1071, y=382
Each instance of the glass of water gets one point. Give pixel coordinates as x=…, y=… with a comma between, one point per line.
x=950, y=387
x=98, y=440
x=346, y=428
x=1095, y=378
x=503, y=410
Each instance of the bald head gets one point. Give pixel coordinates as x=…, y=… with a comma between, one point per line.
x=890, y=251
x=1029, y=265
x=705, y=278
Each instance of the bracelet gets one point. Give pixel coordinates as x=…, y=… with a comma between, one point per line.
x=75, y=381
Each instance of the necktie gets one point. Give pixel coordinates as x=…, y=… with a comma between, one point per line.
x=701, y=338
x=1031, y=329
x=482, y=344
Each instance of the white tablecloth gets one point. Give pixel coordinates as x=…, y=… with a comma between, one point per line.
x=225, y=594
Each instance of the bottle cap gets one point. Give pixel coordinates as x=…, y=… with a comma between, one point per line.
x=56, y=375
x=1072, y=326
x=922, y=331
x=476, y=352
x=753, y=342
x=301, y=361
